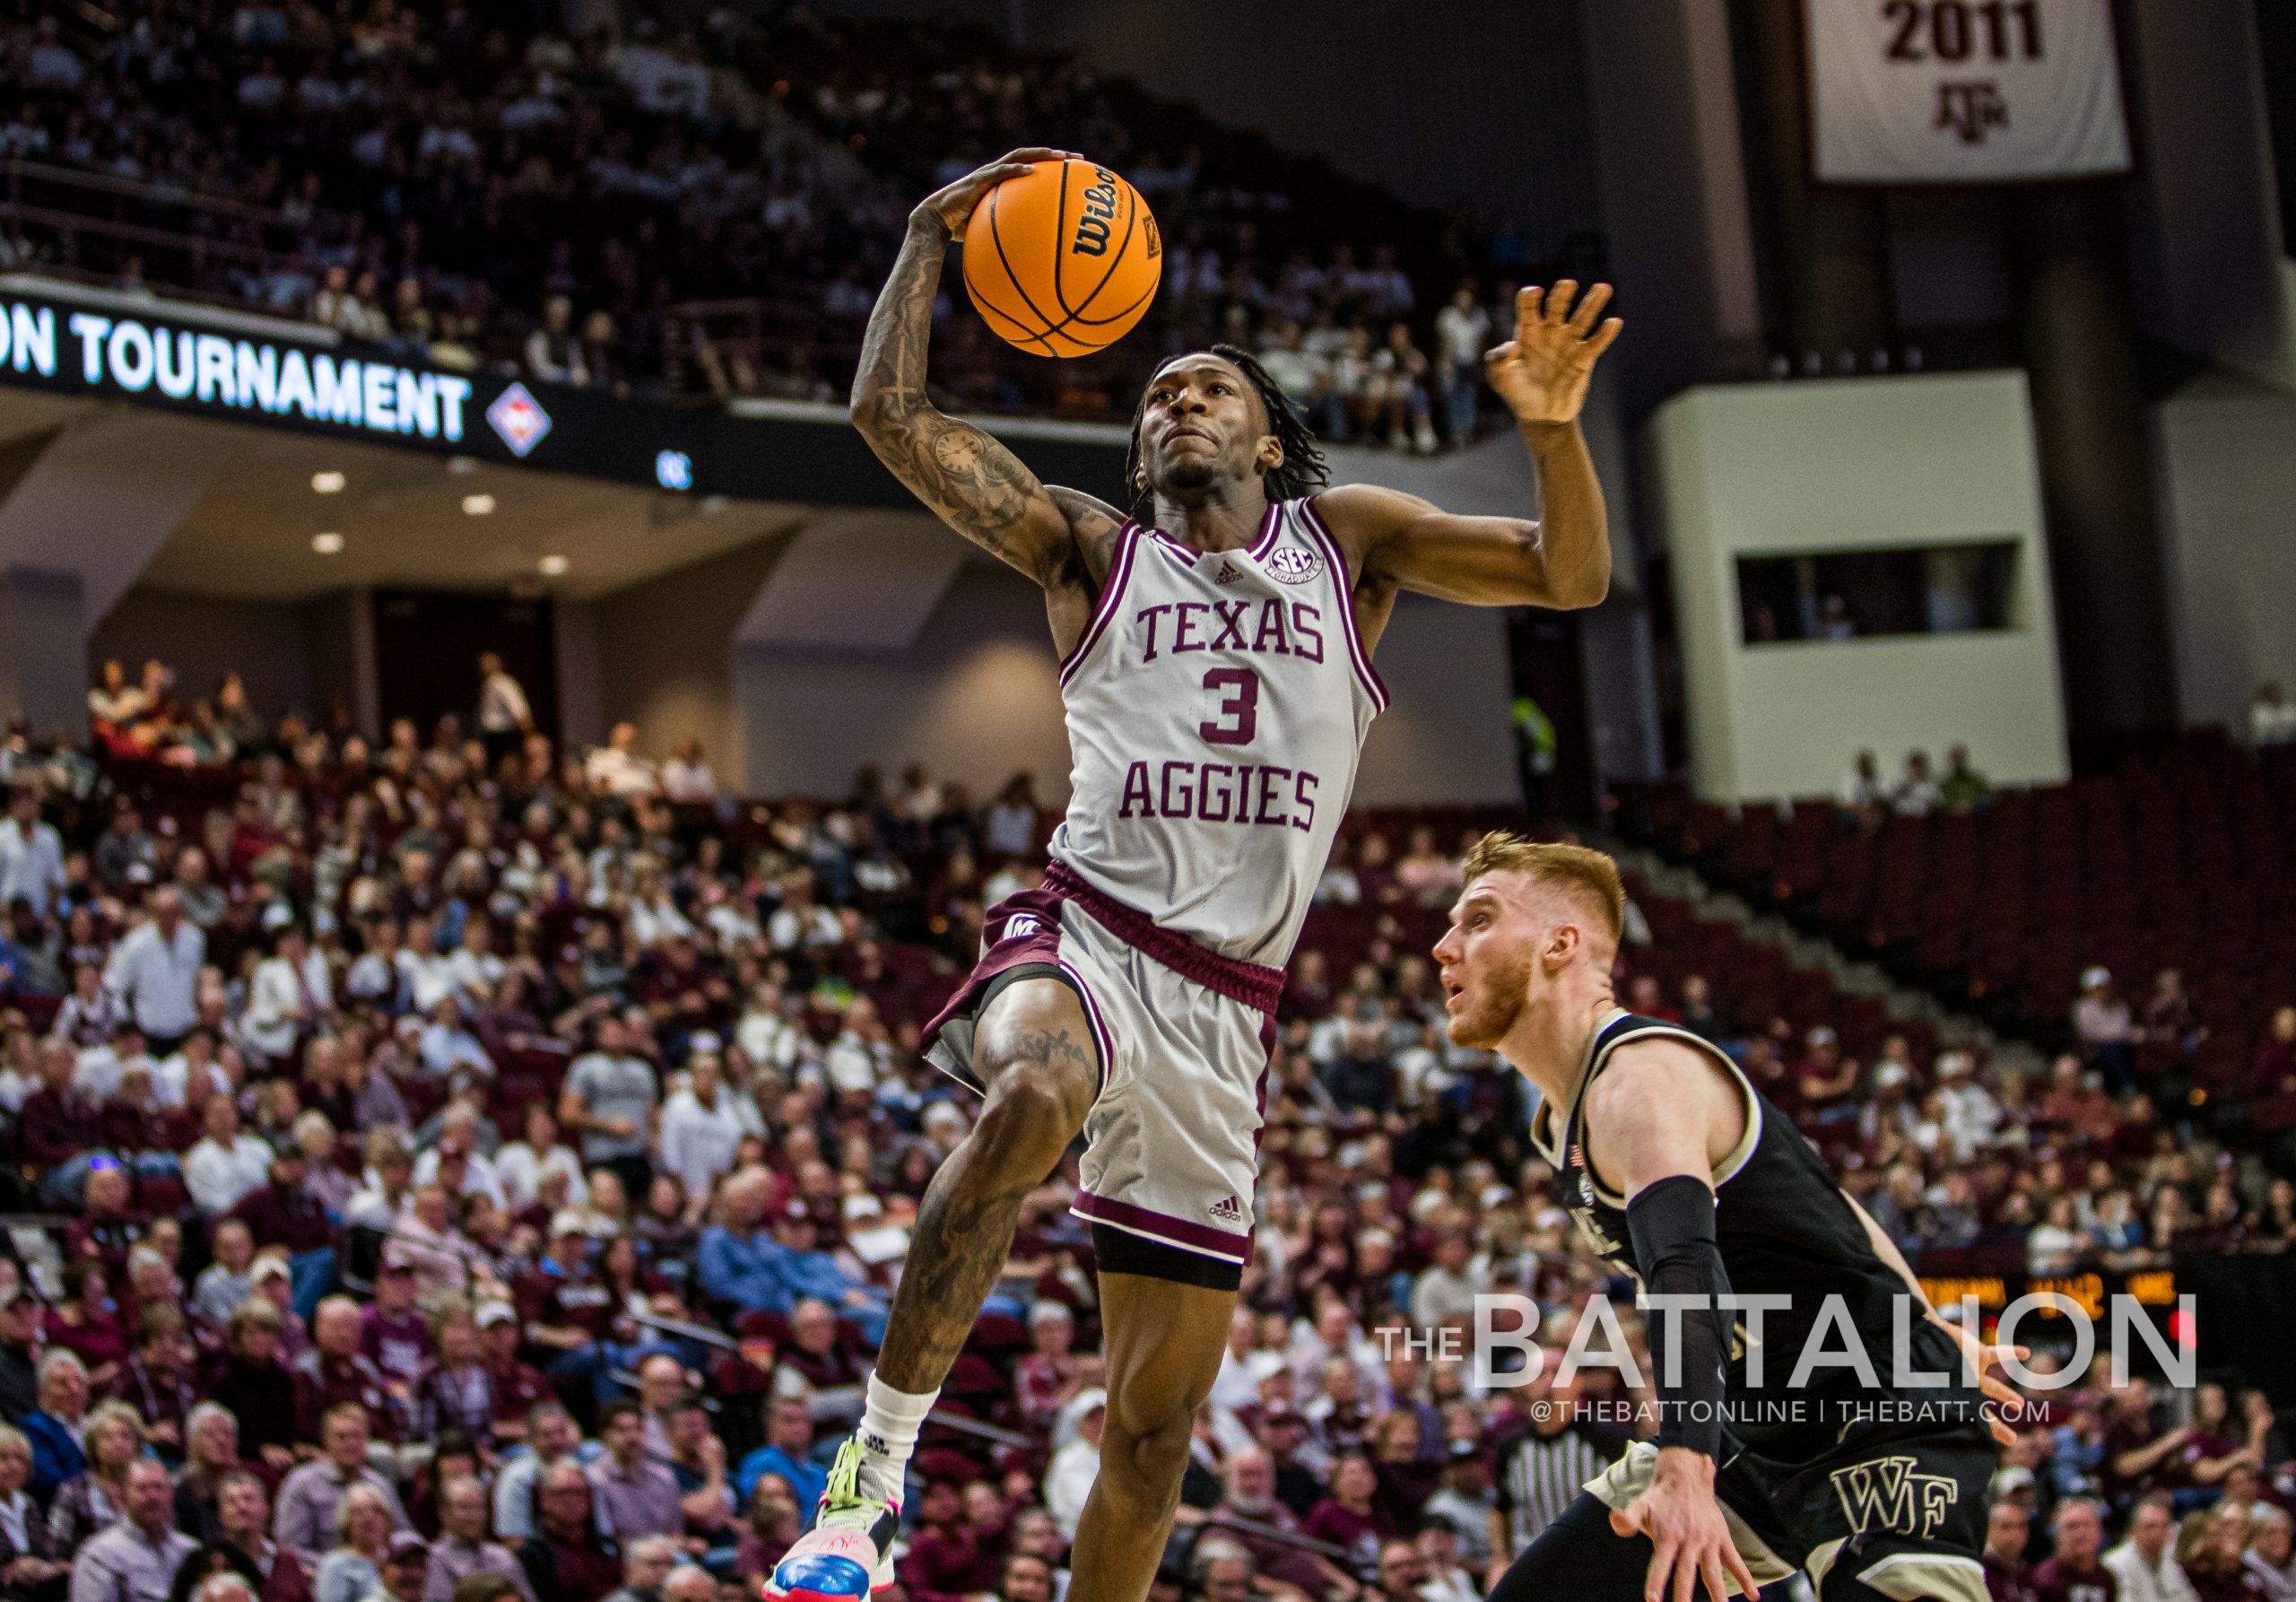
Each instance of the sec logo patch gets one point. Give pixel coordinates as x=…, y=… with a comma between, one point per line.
x=1291, y=564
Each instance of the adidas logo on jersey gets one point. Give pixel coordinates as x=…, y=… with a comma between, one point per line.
x=1229, y=1211
x=1228, y=574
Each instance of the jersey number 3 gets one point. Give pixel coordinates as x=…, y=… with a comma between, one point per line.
x=1238, y=708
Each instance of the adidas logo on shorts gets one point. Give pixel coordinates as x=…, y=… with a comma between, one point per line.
x=1229, y=1211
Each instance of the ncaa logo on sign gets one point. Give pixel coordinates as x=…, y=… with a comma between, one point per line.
x=1290, y=564
x=1021, y=927
x=519, y=419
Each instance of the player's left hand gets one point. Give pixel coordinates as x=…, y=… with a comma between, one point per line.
x=1542, y=372
x=1990, y=1379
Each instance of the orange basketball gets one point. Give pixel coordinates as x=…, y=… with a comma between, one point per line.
x=1063, y=260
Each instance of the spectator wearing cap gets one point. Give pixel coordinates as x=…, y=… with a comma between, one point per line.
x=243, y=1520
x=312, y=1499
x=395, y=1336
x=788, y=1452
x=635, y=1496
x=2106, y=1031
x=514, y=1385
x=462, y=1548
x=365, y=1523
x=155, y=971
x=1076, y=1459
x=136, y=1559
x=21, y=1320
x=567, y=1559
x=566, y=1304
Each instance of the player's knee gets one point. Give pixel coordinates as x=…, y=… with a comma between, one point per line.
x=1149, y=1455
x=1034, y=1111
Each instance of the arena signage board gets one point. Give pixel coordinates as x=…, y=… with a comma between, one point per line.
x=1963, y=91
x=234, y=368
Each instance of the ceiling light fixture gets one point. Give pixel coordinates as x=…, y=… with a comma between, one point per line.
x=327, y=544
x=328, y=483
x=554, y=567
x=477, y=506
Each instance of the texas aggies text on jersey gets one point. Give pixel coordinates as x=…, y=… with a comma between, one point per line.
x=1216, y=708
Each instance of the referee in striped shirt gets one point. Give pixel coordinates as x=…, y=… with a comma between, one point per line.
x=1542, y=1471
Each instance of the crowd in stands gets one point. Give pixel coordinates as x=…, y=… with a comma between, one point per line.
x=705, y=211
x=479, y=1168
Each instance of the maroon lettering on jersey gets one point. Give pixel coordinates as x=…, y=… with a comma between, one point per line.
x=1304, y=619
x=1248, y=793
x=1304, y=800
x=1271, y=635
x=1186, y=802
x=1184, y=626
x=1230, y=615
x=1136, y=792
x=1151, y=615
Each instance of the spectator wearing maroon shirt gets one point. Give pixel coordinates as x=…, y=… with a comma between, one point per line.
x=243, y=1518
x=157, y=1381
x=566, y=1303
x=566, y=1559
x=392, y=1334
x=109, y=1226
x=515, y=1386
x=285, y=1213
x=251, y=1381
x=57, y=1123
x=2138, y=1454
x=943, y=1551
x=1351, y=1517
x=335, y=1371
x=2007, y=1576
x=2075, y=1572
x=816, y=1349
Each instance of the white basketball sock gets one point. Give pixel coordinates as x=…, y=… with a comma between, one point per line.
x=889, y=1421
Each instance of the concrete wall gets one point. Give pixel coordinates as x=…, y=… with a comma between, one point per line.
x=666, y=656
x=202, y=638
x=43, y=621
x=1856, y=464
x=2226, y=466
x=976, y=698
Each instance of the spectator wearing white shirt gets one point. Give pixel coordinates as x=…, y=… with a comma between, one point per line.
x=1864, y=789
x=32, y=854
x=687, y=777
x=1462, y=334
x=447, y=1043
x=473, y=968
x=2145, y=1563
x=615, y=768
x=226, y=1164
x=98, y=1072
x=292, y=993
x=89, y=1015
x=504, y=717
x=2271, y=718
x=519, y=1166
x=1917, y=795
x=155, y=971
x=425, y=977
x=702, y=1133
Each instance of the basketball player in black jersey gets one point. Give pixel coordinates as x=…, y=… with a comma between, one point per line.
x=1865, y=1468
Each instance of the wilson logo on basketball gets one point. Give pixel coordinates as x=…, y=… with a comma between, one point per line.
x=1099, y=211
x=1291, y=565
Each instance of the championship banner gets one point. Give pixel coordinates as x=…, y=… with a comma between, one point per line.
x=1963, y=91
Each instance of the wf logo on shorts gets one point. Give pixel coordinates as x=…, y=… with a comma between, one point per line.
x=1020, y=926
x=1886, y=1495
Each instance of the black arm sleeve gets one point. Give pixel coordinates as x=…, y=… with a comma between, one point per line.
x=1672, y=1223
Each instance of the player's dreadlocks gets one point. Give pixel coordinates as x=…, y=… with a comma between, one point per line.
x=1302, y=468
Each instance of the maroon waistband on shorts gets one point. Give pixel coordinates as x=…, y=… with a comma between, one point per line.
x=1256, y=985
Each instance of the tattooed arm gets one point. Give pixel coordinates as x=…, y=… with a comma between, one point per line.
x=1058, y=537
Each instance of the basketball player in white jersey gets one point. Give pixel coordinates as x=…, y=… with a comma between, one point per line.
x=1216, y=670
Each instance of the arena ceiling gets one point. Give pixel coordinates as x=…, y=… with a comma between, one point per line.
x=253, y=513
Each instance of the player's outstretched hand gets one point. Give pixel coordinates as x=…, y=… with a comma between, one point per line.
x=952, y=206
x=1684, y=1522
x=1542, y=372
x=1990, y=1378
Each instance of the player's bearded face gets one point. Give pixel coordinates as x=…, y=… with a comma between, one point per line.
x=1496, y=986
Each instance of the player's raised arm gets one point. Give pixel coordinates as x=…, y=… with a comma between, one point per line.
x=980, y=489
x=1563, y=558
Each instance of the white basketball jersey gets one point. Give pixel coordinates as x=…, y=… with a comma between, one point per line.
x=1216, y=707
